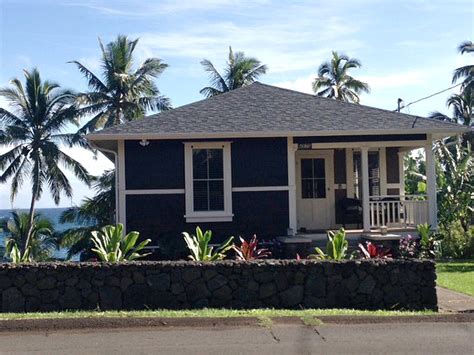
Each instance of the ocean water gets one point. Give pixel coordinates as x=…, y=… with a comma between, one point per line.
x=53, y=214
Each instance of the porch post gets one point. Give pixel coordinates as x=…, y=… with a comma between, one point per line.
x=364, y=153
x=431, y=184
x=291, y=185
x=122, y=218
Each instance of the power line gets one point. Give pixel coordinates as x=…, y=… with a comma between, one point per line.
x=424, y=98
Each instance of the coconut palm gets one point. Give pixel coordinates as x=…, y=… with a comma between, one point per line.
x=93, y=213
x=33, y=133
x=465, y=73
x=42, y=241
x=334, y=81
x=124, y=93
x=240, y=71
x=462, y=105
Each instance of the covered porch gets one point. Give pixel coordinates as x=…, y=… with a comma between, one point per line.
x=357, y=182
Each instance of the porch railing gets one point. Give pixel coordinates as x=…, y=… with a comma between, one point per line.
x=398, y=211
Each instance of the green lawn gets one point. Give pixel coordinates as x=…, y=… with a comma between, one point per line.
x=212, y=313
x=457, y=275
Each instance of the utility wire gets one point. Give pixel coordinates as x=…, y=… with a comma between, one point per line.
x=427, y=97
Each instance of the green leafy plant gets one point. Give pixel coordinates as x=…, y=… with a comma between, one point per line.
x=199, y=247
x=42, y=242
x=250, y=250
x=14, y=253
x=112, y=246
x=336, y=247
x=455, y=242
x=428, y=242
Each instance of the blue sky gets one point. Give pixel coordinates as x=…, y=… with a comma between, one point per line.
x=407, y=48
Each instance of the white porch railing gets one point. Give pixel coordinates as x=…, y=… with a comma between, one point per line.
x=398, y=211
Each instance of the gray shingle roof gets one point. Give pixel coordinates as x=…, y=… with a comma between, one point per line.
x=261, y=108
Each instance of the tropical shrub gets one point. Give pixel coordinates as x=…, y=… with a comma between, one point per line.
x=372, y=251
x=408, y=247
x=250, y=250
x=428, y=242
x=455, y=242
x=112, y=246
x=42, y=242
x=336, y=247
x=93, y=213
x=199, y=247
x=14, y=254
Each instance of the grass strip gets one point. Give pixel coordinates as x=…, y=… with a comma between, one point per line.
x=212, y=313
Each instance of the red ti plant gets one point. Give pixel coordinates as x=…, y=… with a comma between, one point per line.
x=372, y=251
x=249, y=250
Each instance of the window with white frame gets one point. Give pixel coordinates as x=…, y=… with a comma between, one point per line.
x=208, y=182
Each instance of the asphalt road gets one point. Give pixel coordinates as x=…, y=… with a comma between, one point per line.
x=415, y=338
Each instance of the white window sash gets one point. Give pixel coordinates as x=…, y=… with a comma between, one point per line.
x=207, y=216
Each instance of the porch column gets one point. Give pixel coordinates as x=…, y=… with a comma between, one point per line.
x=291, y=185
x=431, y=184
x=122, y=218
x=364, y=154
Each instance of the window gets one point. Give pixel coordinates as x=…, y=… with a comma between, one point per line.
x=313, y=178
x=208, y=182
x=374, y=174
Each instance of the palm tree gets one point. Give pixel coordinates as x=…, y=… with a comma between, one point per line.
x=466, y=73
x=240, y=71
x=40, y=112
x=93, y=214
x=461, y=105
x=42, y=241
x=124, y=93
x=334, y=81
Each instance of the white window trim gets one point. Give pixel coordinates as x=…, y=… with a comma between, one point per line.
x=207, y=216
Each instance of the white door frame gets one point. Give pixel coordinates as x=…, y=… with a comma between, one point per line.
x=328, y=155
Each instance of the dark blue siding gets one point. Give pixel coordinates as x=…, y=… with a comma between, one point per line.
x=262, y=213
x=259, y=162
x=360, y=138
x=160, y=165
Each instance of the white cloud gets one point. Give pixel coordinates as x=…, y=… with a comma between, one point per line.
x=276, y=44
x=303, y=84
x=80, y=190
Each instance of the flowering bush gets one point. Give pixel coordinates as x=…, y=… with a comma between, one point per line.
x=408, y=247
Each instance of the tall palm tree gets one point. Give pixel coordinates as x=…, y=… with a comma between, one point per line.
x=240, y=71
x=466, y=73
x=334, y=81
x=40, y=112
x=91, y=215
x=42, y=241
x=462, y=106
x=124, y=93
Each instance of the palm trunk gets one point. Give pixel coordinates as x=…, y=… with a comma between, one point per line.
x=31, y=219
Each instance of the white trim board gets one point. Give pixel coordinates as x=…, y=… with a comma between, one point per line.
x=410, y=144
x=155, y=192
x=182, y=191
x=260, y=188
x=441, y=132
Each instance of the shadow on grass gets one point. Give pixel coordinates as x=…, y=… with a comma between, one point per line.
x=456, y=267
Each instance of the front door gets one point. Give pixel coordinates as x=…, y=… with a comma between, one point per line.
x=314, y=196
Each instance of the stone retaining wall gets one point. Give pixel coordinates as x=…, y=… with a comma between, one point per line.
x=382, y=284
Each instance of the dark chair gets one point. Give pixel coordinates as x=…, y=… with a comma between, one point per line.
x=351, y=211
